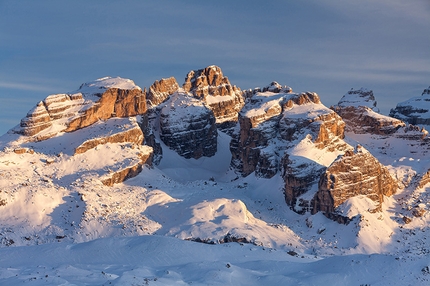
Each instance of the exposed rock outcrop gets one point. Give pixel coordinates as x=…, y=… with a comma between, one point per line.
x=93, y=101
x=56, y=109
x=305, y=112
x=309, y=123
x=130, y=132
x=358, y=109
x=272, y=122
x=423, y=179
x=258, y=124
x=37, y=119
x=118, y=98
x=187, y=126
x=415, y=110
x=160, y=90
x=359, y=97
x=119, y=176
x=158, y=93
x=224, y=99
x=355, y=173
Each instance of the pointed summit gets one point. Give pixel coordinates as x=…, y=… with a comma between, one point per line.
x=223, y=98
x=209, y=81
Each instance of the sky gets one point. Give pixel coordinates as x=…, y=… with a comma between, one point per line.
x=325, y=46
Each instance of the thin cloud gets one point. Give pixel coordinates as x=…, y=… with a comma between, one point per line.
x=25, y=86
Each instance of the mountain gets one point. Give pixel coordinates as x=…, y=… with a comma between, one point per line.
x=415, y=110
x=137, y=171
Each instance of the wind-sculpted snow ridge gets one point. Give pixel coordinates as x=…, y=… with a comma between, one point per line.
x=94, y=180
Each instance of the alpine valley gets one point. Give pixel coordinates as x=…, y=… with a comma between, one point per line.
x=205, y=183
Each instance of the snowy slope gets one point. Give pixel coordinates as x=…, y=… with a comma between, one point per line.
x=158, y=260
x=60, y=201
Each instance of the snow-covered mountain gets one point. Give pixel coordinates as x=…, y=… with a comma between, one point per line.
x=415, y=110
x=113, y=183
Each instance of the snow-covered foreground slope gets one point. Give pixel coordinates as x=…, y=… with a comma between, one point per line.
x=64, y=227
x=159, y=260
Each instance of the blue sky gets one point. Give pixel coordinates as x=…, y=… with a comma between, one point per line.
x=326, y=46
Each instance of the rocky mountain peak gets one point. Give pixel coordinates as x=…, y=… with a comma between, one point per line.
x=223, y=98
x=100, y=85
x=359, y=97
x=277, y=88
x=273, y=87
x=208, y=81
x=415, y=110
x=357, y=172
x=358, y=109
x=160, y=90
x=93, y=101
x=273, y=120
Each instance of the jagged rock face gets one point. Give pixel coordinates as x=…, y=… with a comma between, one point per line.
x=298, y=179
x=258, y=122
x=113, y=102
x=160, y=90
x=271, y=121
x=158, y=93
x=210, y=85
x=209, y=81
x=55, y=108
x=119, y=176
x=37, y=119
x=131, y=134
x=309, y=115
x=415, y=111
x=98, y=100
x=314, y=123
x=358, y=109
x=272, y=124
x=363, y=120
x=187, y=126
x=355, y=173
x=359, y=97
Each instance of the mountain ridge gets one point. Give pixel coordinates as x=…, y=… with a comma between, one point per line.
x=215, y=164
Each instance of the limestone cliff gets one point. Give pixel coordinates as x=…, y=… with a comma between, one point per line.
x=114, y=131
x=187, y=126
x=223, y=98
x=93, y=101
x=160, y=90
x=144, y=157
x=272, y=122
x=358, y=109
x=258, y=124
x=355, y=173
